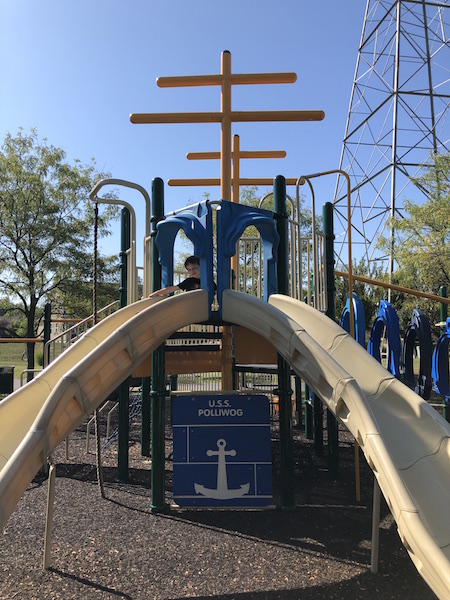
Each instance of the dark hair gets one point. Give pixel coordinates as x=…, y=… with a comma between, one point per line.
x=191, y=260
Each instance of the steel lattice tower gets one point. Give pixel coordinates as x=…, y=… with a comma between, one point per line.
x=397, y=119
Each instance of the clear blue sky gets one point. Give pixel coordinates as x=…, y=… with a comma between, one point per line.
x=76, y=69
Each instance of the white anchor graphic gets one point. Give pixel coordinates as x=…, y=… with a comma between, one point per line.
x=221, y=492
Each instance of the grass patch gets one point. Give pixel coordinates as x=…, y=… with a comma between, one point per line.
x=11, y=355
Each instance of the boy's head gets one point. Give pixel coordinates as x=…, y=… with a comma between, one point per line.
x=192, y=266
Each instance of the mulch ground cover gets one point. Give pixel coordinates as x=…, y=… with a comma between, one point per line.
x=116, y=547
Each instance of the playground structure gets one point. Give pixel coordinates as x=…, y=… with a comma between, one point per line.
x=411, y=468
x=320, y=352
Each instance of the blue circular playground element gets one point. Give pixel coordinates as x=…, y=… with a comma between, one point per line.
x=419, y=329
x=360, y=321
x=387, y=318
x=440, y=369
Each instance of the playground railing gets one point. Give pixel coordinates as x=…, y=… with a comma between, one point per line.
x=58, y=344
x=307, y=279
x=249, y=266
x=311, y=272
x=307, y=263
x=25, y=374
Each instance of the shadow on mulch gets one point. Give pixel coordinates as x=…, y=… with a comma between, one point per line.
x=358, y=588
x=118, y=548
x=82, y=581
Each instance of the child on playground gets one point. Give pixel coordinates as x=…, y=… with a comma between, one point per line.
x=192, y=266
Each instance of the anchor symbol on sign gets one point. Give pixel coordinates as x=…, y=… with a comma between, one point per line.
x=221, y=492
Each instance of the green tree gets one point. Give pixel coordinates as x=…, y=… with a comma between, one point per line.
x=422, y=241
x=46, y=227
x=370, y=295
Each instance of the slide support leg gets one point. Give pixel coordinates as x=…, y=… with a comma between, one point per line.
x=49, y=515
x=375, y=526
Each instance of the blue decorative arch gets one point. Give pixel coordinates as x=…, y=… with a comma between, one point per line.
x=196, y=222
x=360, y=320
x=387, y=318
x=232, y=220
x=440, y=369
x=419, y=329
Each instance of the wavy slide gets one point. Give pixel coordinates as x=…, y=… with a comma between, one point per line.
x=37, y=417
x=405, y=441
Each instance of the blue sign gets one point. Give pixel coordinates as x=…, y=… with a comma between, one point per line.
x=221, y=450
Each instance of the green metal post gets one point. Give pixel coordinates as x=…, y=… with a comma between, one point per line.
x=309, y=422
x=281, y=219
x=444, y=307
x=47, y=329
x=318, y=425
x=146, y=381
x=332, y=424
x=443, y=314
x=145, y=416
x=158, y=387
x=123, y=389
x=298, y=401
x=328, y=230
x=284, y=371
x=333, y=444
x=124, y=431
x=125, y=237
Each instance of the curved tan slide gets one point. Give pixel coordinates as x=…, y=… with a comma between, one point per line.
x=405, y=441
x=37, y=417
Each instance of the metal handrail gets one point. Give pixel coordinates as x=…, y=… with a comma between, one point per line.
x=313, y=245
x=25, y=372
x=131, y=255
x=70, y=335
x=248, y=247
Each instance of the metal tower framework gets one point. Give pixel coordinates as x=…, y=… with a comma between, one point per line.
x=397, y=119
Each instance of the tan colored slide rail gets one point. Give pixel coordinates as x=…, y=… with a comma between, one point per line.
x=405, y=441
x=37, y=417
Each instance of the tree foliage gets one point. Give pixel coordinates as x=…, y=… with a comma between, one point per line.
x=46, y=226
x=422, y=241
x=370, y=295
x=422, y=248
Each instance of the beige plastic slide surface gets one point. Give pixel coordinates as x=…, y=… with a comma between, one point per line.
x=37, y=417
x=405, y=441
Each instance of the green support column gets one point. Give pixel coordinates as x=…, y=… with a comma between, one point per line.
x=124, y=430
x=157, y=396
x=125, y=241
x=318, y=425
x=145, y=416
x=123, y=389
x=284, y=371
x=298, y=401
x=333, y=444
x=332, y=424
x=443, y=307
x=281, y=219
x=158, y=388
x=309, y=422
x=443, y=314
x=47, y=330
x=146, y=384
